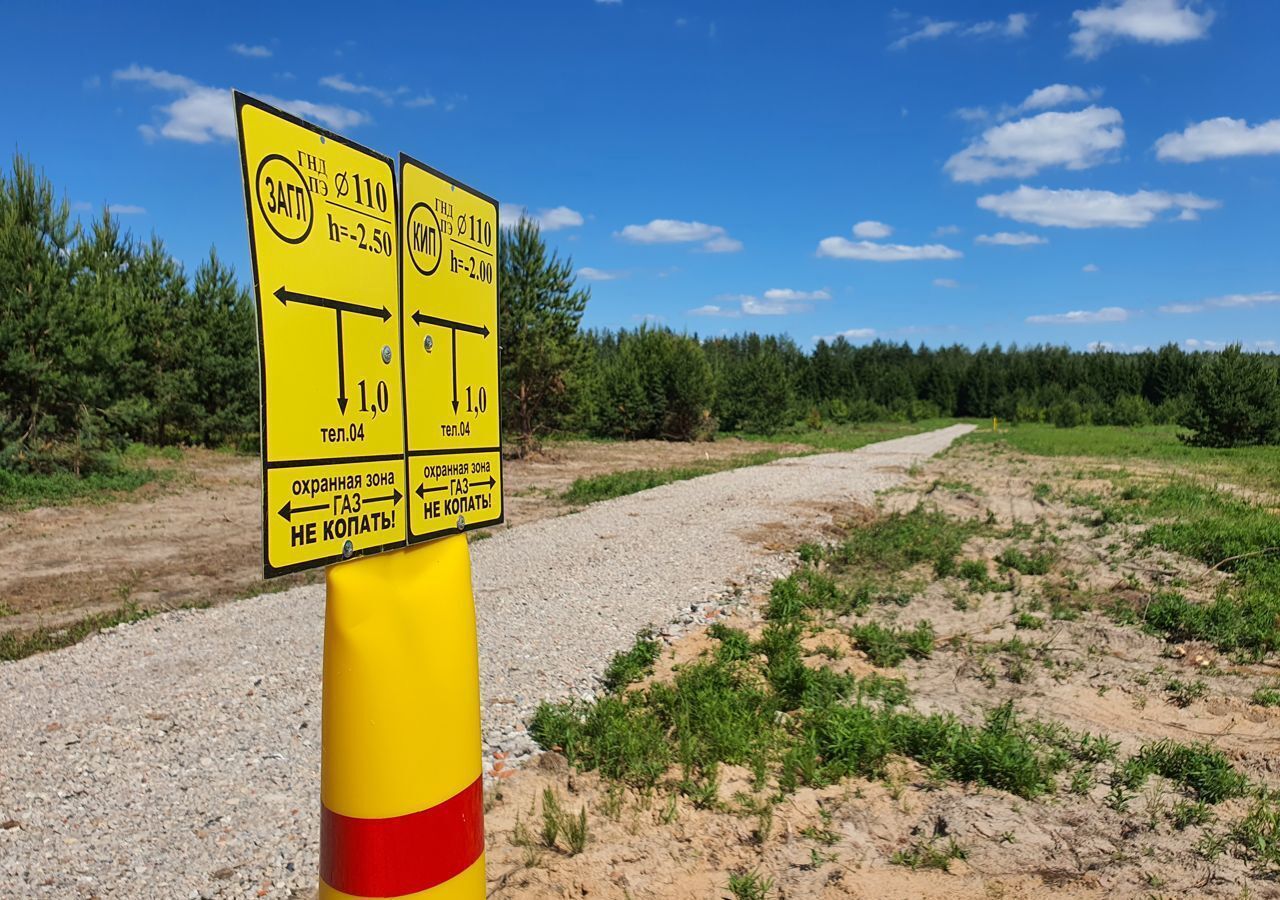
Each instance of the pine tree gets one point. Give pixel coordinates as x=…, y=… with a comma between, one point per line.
x=539, y=310
x=1235, y=401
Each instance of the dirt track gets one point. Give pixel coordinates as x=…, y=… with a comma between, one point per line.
x=195, y=536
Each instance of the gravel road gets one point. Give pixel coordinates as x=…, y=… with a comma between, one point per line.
x=179, y=757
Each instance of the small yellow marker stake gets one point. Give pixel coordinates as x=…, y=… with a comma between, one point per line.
x=400, y=760
x=995, y=425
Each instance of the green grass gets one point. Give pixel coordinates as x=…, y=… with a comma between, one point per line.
x=631, y=665
x=899, y=541
x=1198, y=768
x=18, y=645
x=759, y=705
x=19, y=490
x=1219, y=530
x=1257, y=835
x=928, y=855
x=1037, y=563
x=1257, y=467
x=618, y=484
x=1267, y=696
x=749, y=886
x=1183, y=693
x=886, y=647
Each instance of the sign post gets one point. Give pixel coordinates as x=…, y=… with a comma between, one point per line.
x=378, y=350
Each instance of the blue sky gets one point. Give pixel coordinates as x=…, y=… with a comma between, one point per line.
x=1083, y=172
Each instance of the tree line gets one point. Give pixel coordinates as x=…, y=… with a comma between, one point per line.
x=655, y=383
x=105, y=340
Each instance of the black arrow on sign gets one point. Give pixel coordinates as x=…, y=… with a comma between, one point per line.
x=394, y=497
x=284, y=295
x=454, y=354
x=490, y=483
x=419, y=318
x=423, y=490
x=342, y=378
x=288, y=511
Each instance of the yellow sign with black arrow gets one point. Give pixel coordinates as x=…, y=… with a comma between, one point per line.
x=324, y=238
x=449, y=318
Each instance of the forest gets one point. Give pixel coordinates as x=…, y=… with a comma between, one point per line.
x=106, y=341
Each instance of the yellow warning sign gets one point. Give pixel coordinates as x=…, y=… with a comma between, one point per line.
x=324, y=238
x=449, y=316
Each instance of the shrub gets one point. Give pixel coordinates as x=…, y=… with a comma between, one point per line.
x=1235, y=401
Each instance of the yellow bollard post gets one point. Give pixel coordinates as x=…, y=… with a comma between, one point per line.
x=995, y=425
x=400, y=760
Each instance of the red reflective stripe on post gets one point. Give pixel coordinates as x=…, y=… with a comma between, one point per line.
x=403, y=854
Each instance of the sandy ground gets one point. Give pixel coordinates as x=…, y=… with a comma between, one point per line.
x=196, y=536
x=1091, y=674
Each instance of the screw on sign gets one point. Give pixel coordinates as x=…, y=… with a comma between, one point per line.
x=353, y=472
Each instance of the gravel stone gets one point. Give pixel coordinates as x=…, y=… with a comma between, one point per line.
x=179, y=756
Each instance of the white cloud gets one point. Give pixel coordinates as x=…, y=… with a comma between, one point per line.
x=670, y=231
x=555, y=218
x=593, y=274
x=1218, y=138
x=1047, y=97
x=559, y=217
x=126, y=209
x=843, y=248
x=1090, y=268
x=156, y=78
x=342, y=84
x=336, y=117
x=754, y=306
x=420, y=101
x=849, y=334
x=1090, y=208
x=944, y=230
x=1014, y=26
x=1195, y=344
x=774, y=302
x=1010, y=239
x=1058, y=95
x=1076, y=140
x=946, y=283
x=204, y=114
x=872, y=229
x=253, y=51
x=1106, y=315
x=722, y=244
x=1146, y=21
x=81, y=206
x=1227, y=301
x=712, y=309
x=714, y=238
x=790, y=295
x=929, y=30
